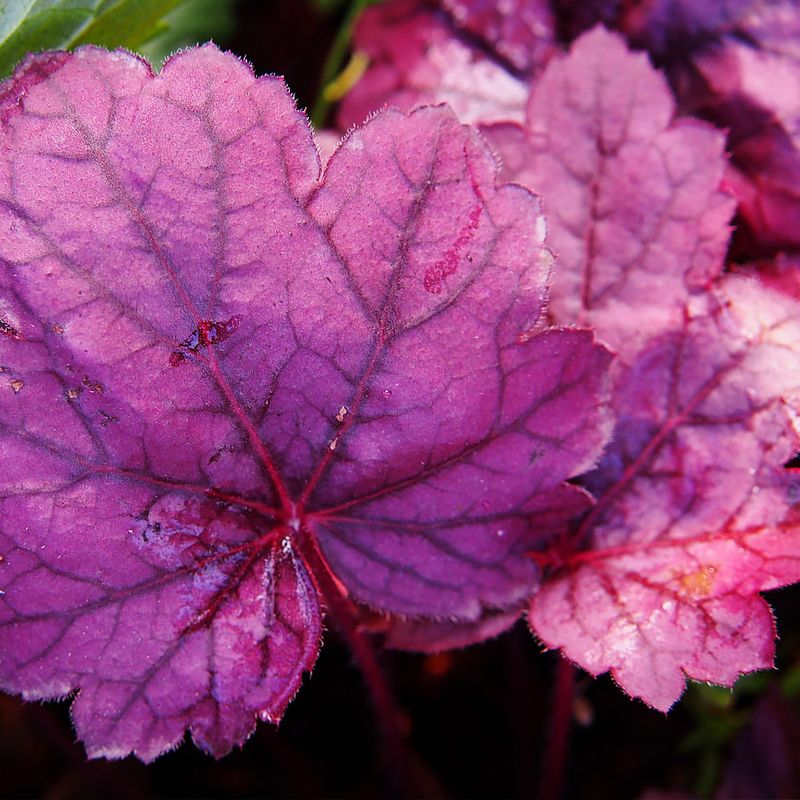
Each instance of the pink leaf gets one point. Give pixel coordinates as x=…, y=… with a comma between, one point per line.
x=416, y=56
x=216, y=361
x=636, y=216
x=695, y=514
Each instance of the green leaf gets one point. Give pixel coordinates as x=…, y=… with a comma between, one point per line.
x=191, y=22
x=30, y=25
x=126, y=23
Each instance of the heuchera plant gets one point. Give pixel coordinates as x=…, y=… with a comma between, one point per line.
x=241, y=391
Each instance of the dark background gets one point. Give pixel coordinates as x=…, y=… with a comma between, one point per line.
x=477, y=719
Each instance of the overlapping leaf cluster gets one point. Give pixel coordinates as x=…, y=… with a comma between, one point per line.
x=695, y=496
x=239, y=387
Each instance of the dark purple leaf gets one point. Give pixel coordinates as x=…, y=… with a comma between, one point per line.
x=669, y=28
x=520, y=31
x=763, y=760
x=750, y=84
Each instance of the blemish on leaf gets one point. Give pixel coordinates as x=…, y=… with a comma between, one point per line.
x=699, y=583
x=341, y=414
x=16, y=384
x=95, y=387
x=9, y=330
x=106, y=419
x=73, y=393
x=206, y=333
x=434, y=276
x=59, y=329
x=217, y=454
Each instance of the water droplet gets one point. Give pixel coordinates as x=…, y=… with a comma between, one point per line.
x=668, y=605
x=265, y=716
x=16, y=384
x=2, y=592
x=332, y=444
x=500, y=534
x=387, y=392
x=341, y=414
x=42, y=546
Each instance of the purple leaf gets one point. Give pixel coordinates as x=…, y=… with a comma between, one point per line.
x=553, y=518
x=521, y=31
x=671, y=27
x=636, y=216
x=218, y=362
x=695, y=513
x=438, y=635
x=750, y=84
x=417, y=56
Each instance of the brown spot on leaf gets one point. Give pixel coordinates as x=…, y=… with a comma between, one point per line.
x=107, y=419
x=206, y=333
x=9, y=330
x=16, y=384
x=95, y=387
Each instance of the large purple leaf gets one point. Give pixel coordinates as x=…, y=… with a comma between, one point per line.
x=633, y=195
x=695, y=513
x=219, y=363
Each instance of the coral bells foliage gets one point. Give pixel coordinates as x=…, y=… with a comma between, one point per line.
x=231, y=381
x=239, y=391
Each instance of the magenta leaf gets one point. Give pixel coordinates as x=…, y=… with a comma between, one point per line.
x=695, y=513
x=418, y=56
x=219, y=363
x=636, y=216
